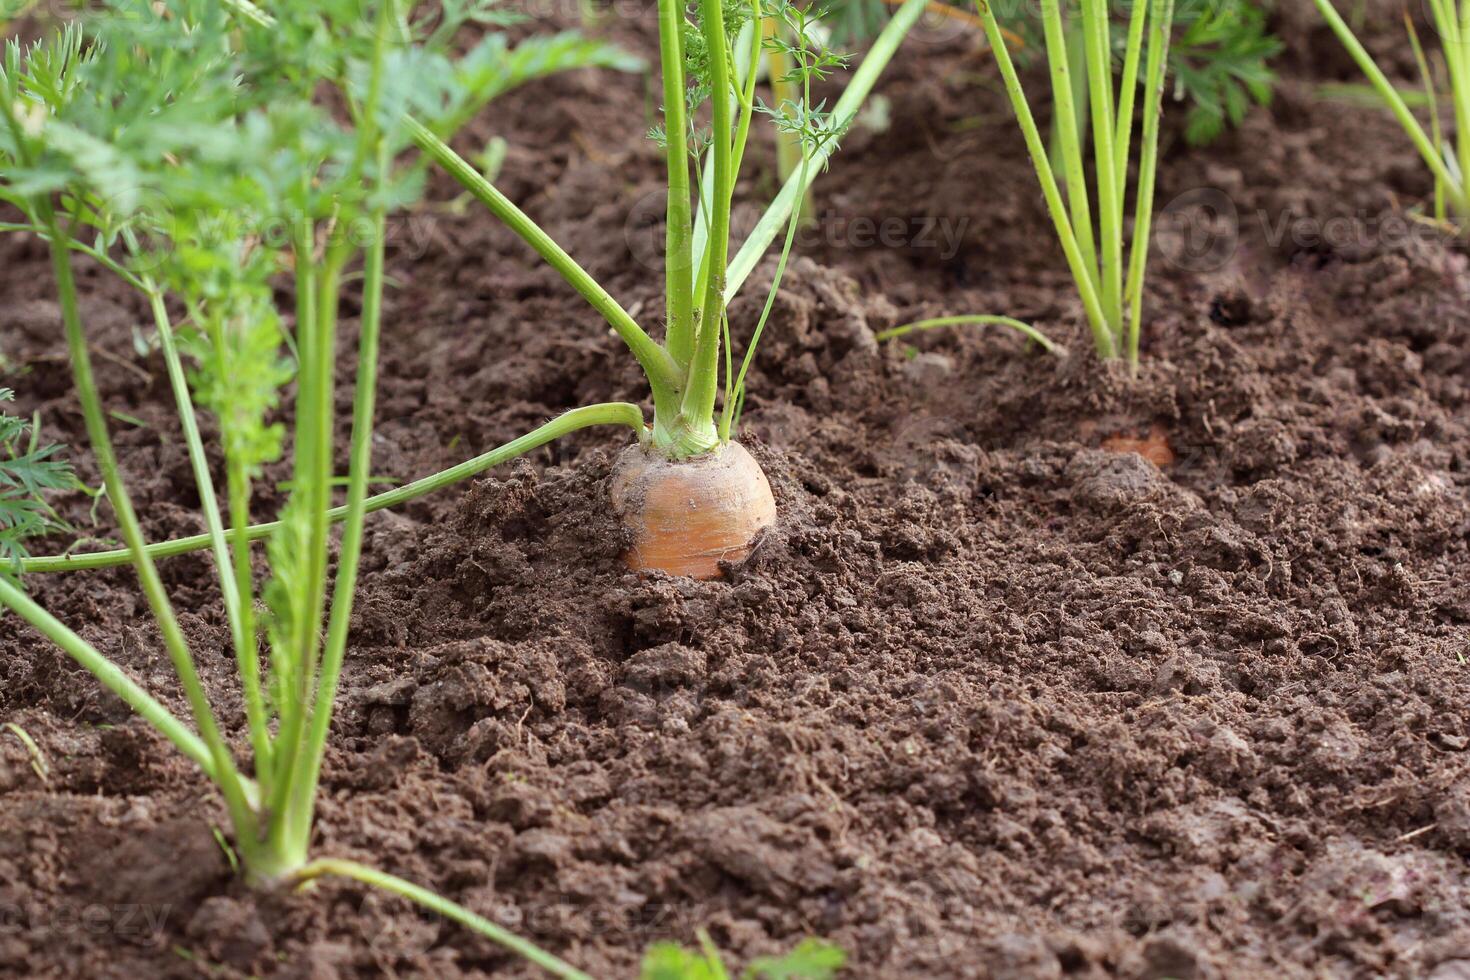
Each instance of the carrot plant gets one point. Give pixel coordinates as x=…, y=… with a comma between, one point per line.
x=168, y=144
x=1092, y=227
x=691, y=496
x=1449, y=161
x=1219, y=60
x=689, y=493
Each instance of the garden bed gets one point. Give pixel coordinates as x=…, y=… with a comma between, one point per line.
x=994, y=698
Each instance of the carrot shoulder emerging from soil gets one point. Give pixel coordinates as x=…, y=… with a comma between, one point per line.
x=689, y=516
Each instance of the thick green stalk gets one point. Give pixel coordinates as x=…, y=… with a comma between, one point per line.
x=742, y=98
x=1128, y=88
x=317, y=481
x=747, y=65
x=1064, y=112
x=234, y=571
x=310, y=486
x=1456, y=58
x=1102, y=333
x=286, y=663
x=1161, y=22
x=606, y=413
x=450, y=910
x=303, y=798
x=663, y=374
x=314, y=482
x=697, y=407
x=678, y=248
x=1457, y=62
x=1109, y=193
x=226, y=776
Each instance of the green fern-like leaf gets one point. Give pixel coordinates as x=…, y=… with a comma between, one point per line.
x=1221, y=62
x=27, y=471
x=812, y=959
x=670, y=961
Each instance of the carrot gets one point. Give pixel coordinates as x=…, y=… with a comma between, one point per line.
x=688, y=516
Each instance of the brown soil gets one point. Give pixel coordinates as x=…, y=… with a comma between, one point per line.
x=992, y=701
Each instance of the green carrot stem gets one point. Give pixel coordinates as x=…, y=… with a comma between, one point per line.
x=292, y=808
x=326, y=867
x=315, y=411
x=773, y=220
x=303, y=797
x=1161, y=21
x=696, y=410
x=1109, y=193
x=747, y=64
x=606, y=413
x=678, y=248
x=109, y=675
x=286, y=665
x=1395, y=103
x=1102, y=332
x=1065, y=120
x=968, y=320
x=226, y=776
x=1128, y=87
x=1460, y=54
x=663, y=374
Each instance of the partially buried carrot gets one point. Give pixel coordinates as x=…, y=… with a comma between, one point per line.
x=1153, y=447
x=688, y=516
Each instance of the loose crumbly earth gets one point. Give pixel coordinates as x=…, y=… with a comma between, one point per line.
x=994, y=700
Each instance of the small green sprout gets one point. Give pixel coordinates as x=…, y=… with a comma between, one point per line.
x=39, y=766
x=811, y=959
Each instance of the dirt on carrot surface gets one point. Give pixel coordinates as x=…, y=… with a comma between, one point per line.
x=994, y=698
